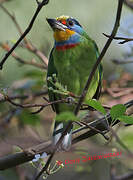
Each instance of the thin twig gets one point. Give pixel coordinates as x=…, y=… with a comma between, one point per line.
x=34, y=105
x=116, y=61
x=37, y=52
x=97, y=130
x=40, y=5
x=12, y=16
x=26, y=96
x=114, y=31
x=39, y=110
x=28, y=45
x=129, y=4
x=6, y=47
x=125, y=40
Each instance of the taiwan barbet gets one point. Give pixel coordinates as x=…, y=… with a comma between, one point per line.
x=70, y=63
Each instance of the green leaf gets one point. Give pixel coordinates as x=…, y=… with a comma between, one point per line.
x=66, y=116
x=126, y=119
x=96, y=105
x=117, y=111
x=28, y=118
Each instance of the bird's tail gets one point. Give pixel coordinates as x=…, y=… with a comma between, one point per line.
x=59, y=128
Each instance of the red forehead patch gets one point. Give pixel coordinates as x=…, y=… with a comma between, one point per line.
x=63, y=22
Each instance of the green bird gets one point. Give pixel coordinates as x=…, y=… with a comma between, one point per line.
x=71, y=61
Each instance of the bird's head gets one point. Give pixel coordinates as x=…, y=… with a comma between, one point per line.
x=65, y=27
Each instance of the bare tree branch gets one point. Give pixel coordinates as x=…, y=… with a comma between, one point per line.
x=6, y=47
x=37, y=52
x=94, y=129
x=40, y=5
x=125, y=39
x=12, y=16
x=129, y=4
x=116, y=61
x=26, y=96
x=34, y=105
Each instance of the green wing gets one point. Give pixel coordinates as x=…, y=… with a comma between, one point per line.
x=52, y=70
x=100, y=69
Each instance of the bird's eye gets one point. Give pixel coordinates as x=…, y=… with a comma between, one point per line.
x=70, y=23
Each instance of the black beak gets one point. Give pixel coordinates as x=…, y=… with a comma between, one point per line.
x=56, y=25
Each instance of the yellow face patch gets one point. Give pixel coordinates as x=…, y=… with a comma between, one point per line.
x=63, y=35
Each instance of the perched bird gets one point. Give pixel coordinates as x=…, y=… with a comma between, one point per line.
x=71, y=60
